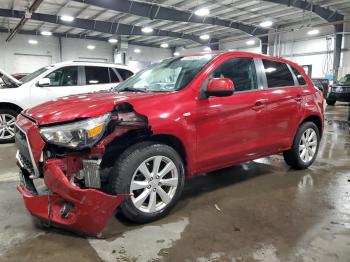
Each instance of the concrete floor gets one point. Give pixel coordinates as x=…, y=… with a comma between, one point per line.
x=258, y=211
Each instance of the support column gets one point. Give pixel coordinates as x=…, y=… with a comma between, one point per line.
x=214, y=44
x=339, y=29
x=345, y=65
x=264, y=44
x=60, y=48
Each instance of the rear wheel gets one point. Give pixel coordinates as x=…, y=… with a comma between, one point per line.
x=7, y=125
x=153, y=174
x=305, y=147
x=330, y=102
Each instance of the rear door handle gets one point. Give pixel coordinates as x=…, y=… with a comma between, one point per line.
x=259, y=104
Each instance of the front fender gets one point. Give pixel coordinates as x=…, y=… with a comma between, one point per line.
x=14, y=96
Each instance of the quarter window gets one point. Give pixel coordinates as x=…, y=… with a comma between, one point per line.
x=277, y=74
x=65, y=76
x=241, y=71
x=300, y=78
x=125, y=74
x=96, y=75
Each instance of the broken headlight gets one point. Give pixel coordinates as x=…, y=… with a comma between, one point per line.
x=77, y=135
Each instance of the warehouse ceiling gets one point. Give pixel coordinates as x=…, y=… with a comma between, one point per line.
x=243, y=12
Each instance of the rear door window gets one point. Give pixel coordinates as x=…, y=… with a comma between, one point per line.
x=300, y=78
x=277, y=74
x=113, y=76
x=96, y=75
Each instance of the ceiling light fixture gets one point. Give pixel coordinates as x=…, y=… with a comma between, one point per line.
x=113, y=40
x=313, y=32
x=204, y=37
x=147, y=29
x=67, y=18
x=250, y=42
x=137, y=50
x=91, y=47
x=266, y=24
x=46, y=33
x=164, y=45
x=207, y=49
x=203, y=11
x=270, y=69
x=32, y=41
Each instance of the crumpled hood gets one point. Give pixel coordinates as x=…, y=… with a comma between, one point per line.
x=85, y=105
x=9, y=78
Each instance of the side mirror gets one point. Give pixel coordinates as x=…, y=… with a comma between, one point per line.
x=220, y=87
x=44, y=82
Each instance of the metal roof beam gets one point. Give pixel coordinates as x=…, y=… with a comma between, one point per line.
x=25, y=17
x=75, y=36
x=154, y=11
x=325, y=13
x=105, y=27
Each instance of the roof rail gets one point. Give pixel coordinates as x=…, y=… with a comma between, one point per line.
x=92, y=61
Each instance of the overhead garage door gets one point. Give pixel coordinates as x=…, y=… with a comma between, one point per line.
x=28, y=63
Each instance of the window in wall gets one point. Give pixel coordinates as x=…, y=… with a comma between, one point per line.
x=65, y=76
x=241, y=71
x=300, y=78
x=96, y=75
x=277, y=74
x=113, y=75
x=125, y=74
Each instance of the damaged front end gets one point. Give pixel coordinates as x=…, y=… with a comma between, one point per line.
x=74, y=160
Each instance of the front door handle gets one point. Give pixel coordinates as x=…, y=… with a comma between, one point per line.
x=259, y=104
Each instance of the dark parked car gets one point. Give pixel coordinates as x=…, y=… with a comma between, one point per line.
x=18, y=76
x=322, y=84
x=340, y=91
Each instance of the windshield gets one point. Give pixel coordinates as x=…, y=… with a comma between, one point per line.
x=170, y=75
x=33, y=75
x=345, y=79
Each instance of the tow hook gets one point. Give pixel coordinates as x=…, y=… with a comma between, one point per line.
x=66, y=209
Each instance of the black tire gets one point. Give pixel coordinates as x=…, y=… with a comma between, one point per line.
x=123, y=171
x=292, y=156
x=40, y=223
x=14, y=114
x=330, y=102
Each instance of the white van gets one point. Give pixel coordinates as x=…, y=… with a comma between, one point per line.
x=47, y=83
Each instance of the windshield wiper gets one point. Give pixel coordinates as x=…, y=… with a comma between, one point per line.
x=131, y=89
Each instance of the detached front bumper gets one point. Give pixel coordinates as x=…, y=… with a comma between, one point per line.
x=66, y=205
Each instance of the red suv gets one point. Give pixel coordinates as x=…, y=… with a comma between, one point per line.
x=132, y=147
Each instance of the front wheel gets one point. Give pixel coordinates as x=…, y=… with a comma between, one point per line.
x=330, y=102
x=7, y=125
x=305, y=147
x=153, y=174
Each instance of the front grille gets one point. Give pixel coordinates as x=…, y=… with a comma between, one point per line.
x=341, y=89
x=25, y=163
x=25, y=155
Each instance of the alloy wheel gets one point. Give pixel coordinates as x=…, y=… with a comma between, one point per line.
x=154, y=184
x=7, y=126
x=308, y=145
